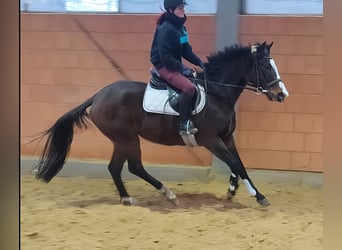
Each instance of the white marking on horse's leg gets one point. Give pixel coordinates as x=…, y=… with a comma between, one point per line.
x=233, y=186
x=233, y=183
x=128, y=201
x=249, y=187
x=169, y=194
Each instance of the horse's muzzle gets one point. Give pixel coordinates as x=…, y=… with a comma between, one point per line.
x=281, y=97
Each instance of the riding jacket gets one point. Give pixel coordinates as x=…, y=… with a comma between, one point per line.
x=171, y=43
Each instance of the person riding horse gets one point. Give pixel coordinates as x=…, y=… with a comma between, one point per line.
x=170, y=43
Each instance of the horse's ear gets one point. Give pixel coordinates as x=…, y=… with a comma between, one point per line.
x=268, y=47
x=263, y=44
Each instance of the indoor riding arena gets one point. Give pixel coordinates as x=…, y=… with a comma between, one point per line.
x=68, y=55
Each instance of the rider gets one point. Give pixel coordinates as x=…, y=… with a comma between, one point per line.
x=170, y=44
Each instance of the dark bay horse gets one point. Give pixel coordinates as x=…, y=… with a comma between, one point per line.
x=118, y=112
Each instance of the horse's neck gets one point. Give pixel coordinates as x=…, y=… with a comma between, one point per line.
x=228, y=86
x=227, y=76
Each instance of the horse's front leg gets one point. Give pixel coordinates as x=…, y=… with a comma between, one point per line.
x=233, y=185
x=227, y=152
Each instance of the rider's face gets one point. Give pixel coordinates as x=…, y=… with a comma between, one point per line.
x=179, y=11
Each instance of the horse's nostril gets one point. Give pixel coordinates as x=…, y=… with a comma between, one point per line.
x=281, y=97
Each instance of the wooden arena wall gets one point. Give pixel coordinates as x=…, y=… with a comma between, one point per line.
x=61, y=68
x=285, y=135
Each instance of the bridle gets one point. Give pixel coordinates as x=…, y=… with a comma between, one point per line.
x=259, y=89
x=254, y=87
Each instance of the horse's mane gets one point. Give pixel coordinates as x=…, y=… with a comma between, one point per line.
x=225, y=56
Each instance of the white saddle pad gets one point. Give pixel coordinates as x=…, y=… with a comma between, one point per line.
x=156, y=101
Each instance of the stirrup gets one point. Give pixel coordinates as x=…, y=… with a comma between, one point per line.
x=187, y=128
x=188, y=132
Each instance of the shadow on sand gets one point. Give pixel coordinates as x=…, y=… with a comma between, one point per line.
x=160, y=204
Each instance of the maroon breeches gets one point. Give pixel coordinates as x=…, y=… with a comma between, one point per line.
x=177, y=80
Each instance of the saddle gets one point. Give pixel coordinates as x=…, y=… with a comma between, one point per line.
x=160, y=97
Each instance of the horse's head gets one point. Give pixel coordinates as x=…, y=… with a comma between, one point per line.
x=265, y=76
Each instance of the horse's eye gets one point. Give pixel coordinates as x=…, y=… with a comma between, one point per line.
x=267, y=66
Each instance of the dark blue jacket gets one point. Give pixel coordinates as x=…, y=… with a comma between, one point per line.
x=170, y=44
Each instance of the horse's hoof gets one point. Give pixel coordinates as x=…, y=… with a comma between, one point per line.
x=230, y=195
x=174, y=201
x=128, y=201
x=264, y=202
x=169, y=195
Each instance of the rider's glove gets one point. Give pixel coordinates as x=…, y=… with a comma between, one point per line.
x=187, y=72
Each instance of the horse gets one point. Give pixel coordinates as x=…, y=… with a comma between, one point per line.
x=117, y=111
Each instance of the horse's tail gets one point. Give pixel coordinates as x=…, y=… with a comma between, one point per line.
x=59, y=139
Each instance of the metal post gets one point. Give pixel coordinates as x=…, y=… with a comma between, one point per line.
x=227, y=22
x=227, y=33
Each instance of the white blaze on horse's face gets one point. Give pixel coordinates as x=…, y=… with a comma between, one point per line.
x=281, y=84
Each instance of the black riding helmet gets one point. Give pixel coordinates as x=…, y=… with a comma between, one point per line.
x=173, y=4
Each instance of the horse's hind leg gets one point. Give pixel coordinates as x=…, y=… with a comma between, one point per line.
x=115, y=167
x=135, y=167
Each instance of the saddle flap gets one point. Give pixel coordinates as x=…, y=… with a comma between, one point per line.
x=164, y=101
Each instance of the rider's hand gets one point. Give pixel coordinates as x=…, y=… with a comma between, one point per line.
x=187, y=72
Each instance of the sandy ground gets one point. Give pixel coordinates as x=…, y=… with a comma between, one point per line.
x=85, y=213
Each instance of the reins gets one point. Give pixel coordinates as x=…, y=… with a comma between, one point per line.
x=248, y=86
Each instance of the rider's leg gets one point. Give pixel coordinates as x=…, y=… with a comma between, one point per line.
x=185, y=124
x=187, y=88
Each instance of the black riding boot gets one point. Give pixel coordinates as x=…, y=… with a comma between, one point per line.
x=185, y=124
